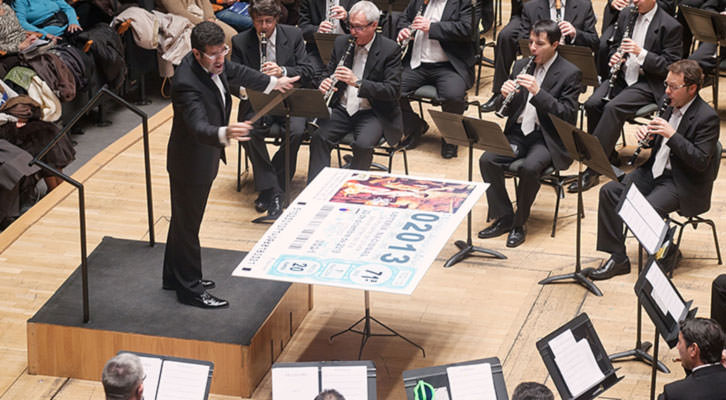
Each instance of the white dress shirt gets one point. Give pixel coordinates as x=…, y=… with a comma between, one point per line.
x=633, y=64
x=529, y=118
x=662, y=158
x=350, y=100
x=427, y=50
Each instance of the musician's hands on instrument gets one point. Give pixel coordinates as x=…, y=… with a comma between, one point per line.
x=619, y=4
x=615, y=59
x=659, y=126
x=528, y=82
x=272, y=69
x=325, y=27
x=286, y=83
x=404, y=34
x=239, y=131
x=508, y=87
x=421, y=23
x=344, y=74
x=629, y=46
x=338, y=12
x=567, y=29
x=325, y=86
x=642, y=133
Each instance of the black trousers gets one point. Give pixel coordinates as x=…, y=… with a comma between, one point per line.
x=270, y=173
x=182, y=256
x=705, y=56
x=366, y=129
x=718, y=300
x=606, y=119
x=450, y=87
x=506, y=52
x=660, y=192
x=536, y=159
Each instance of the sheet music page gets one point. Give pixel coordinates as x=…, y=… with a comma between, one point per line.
x=350, y=381
x=182, y=381
x=441, y=393
x=152, y=368
x=471, y=382
x=642, y=219
x=663, y=293
x=294, y=383
x=576, y=363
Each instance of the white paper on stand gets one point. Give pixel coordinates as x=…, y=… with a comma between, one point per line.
x=576, y=363
x=471, y=382
x=350, y=381
x=294, y=383
x=663, y=293
x=182, y=381
x=152, y=369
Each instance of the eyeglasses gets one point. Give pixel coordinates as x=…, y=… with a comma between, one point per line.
x=673, y=87
x=360, y=27
x=222, y=53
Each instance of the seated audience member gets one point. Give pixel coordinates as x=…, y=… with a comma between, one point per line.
x=123, y=378
x=365, y=101
x=553, y=88
x=13, y=38
x=51, y=18
x=324, y=16
x=329, y=394
x=229, y=12
x=196, y=11
x=532, y=391
x=285, y=56
x=700, y=347
x=718, y=300
x=677, y=176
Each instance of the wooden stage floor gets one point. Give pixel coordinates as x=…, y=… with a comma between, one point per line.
x=479, y=308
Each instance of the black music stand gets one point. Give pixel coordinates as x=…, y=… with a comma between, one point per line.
x=438, y=377
x=666, y=323
x=325, y=43
x=155, y=373
x=656, y=250
x=585, y=149
x=484, y=135
x=298, y=102
x=581, y=329
x=710, y=27
x=370, y=372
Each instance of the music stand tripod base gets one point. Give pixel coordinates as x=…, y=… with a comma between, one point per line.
x=581, y=277
x=467, y=249
x=639, y=353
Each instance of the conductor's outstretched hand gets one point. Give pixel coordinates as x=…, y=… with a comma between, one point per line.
x=285, y=83
x=239, y=131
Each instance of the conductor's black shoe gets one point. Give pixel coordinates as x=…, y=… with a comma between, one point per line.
x=262, y=202
x=497, y=228
x=413, y=140
x=206, y=284
x=448, y=150
x=589, y=179
x=492, y=104
x=610, y=269
x=203, y=300
x=516, y=236
x=274, y=208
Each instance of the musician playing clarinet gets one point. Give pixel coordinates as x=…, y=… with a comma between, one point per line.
x=551, y=85
x=365, y=74
x=638, y=63
x=678, y=175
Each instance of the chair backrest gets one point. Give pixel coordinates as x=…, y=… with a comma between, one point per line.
x=716, y=160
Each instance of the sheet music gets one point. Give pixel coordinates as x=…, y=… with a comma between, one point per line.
x=471, y=382
x=182, y=381
x=576, y=363
x=295, y=383
x=663, y=293
x=642, y=219
x=441, y=393
x=152, y=368
x=350, y=381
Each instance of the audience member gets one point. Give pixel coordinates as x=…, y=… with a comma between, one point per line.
x=13, y=38
x=123, y=378
x=532, y=391
x=197, y=11
x=233, y=13
x=51, y=18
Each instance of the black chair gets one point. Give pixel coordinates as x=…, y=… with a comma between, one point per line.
x=381, y=149
x=428, y=94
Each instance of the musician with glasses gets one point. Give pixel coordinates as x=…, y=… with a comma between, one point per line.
x=284, y=55
x=654, y=43
x=365, y=98
x=324, y=16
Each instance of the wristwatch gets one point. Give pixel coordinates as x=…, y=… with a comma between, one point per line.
x=358, y=83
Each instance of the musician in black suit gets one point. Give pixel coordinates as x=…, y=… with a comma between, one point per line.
x=324, y=16
x=706, y=54
x=655, y=43
x=441, y=54
x=718, y=300
x=553, y=88
x=365, y=101
x=577, y=24
x=700, y=346
x=200, y=130
x=285, y=56
x=679, y=173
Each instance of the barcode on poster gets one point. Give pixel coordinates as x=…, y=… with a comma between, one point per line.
x=306, y=233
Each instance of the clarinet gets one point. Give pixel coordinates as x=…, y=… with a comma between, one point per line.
x=405, y=42
x=328, y=96
x=558, y=11
x=528, y=69
x=646, y=141
x=263, y=49
x=615, y=69
x=611, y=39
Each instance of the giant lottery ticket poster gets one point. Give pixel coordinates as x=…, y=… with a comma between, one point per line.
x=362, y=230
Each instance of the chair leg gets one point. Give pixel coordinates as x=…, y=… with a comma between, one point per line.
x=340, y=159
x=715, y=238
x=558, y=192
x=390, y=161
x=405, y=160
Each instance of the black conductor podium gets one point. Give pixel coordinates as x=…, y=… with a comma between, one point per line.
x=436, y=379
x=304, y=380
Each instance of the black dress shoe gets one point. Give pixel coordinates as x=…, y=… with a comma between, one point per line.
x=413, y=140
x=262, y=202
x=498, y=228
x=610, y=269
x=492, y=104
x=448, y=150
x=206, y=284
x=516, y=236
x=274, y=208
x=203, y=300
x=589, y=179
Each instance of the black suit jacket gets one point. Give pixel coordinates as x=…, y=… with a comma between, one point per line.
x=454, y=33
x=708, y=383
x=194, y=149
x=557, y=95
x=610, y=15
x=380, y=84
x=312, y=13
x=577, y=12
x=663, y=42
x=692, y=156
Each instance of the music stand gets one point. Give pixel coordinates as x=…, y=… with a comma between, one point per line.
x=585, y=149
x=325, y=43
x=484, y=135
x=710, y=27
x=566, y=343
x=297, y=102
x=162, y=375
x=390, y=6
x=318, y=375
x=665, y=307
x=438, y=377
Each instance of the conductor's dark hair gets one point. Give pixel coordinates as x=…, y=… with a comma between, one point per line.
x=329, y=394
x=206, y=33
x=707, y=334
x=549, y=27
x=532, y=391
x=265, y=7
x=692, y=72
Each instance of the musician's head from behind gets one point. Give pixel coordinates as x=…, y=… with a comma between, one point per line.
x=363, y=21
x=700, y=341
x=123, y=378
x=683, y=82
x=208, y=46
x=329, y=394
x=265, y=14
x=544, y=37
x=532, y=391
x=644, y=5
